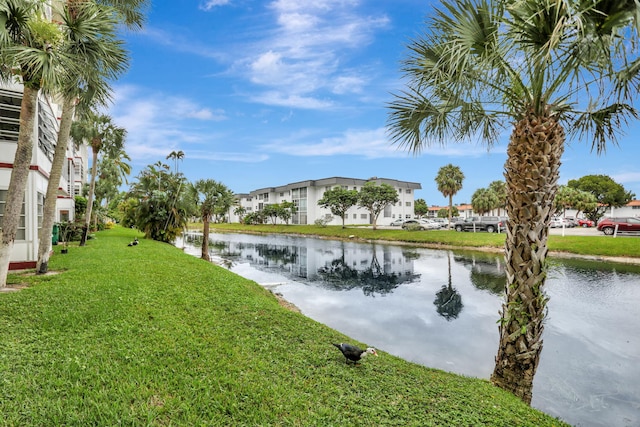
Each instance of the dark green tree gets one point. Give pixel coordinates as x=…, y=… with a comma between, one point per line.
x=375, y=198
x=444, y=212
x=420, y=207
x=163, y=202
x=607, y=192
x=339, y=200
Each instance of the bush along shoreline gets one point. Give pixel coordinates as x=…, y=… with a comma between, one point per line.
x=148, y=335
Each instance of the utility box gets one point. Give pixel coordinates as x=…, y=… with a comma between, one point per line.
x=55, y=235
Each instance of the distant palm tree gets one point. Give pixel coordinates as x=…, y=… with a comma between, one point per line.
x=540, y=68
x=484, y=200
x=500, y=188
x=102, y=135
x=207, y=195
x=175, y=156
x=449, y=181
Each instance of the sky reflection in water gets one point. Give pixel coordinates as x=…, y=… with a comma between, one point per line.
x=440, y=308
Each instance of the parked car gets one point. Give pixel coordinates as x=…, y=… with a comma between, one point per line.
x=420, y=224
x=397, y=222
x=489, y=224
x=559, y=222
x=442, y=221
x=432, y=224
x=411, y=224
x=583, y=222
x=623, y=224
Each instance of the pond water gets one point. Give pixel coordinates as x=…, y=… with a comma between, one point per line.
x=439, y=308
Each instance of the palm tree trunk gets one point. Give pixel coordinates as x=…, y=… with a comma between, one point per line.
x=92, y=188
x=18, y=181
x=49, y=213
x=531, y=173
x=205, y=239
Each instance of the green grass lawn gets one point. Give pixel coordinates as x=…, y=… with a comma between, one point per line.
x=605, y=246
x=148, y=335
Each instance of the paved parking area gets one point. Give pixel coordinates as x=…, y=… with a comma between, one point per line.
x=575, y=231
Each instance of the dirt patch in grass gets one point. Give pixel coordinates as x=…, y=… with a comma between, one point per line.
x=284, y=303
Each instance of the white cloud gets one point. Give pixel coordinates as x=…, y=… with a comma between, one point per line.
x=210, y=4
x=307, y=51
x=158, y=123
x=626, y=177
x=293, y=101
x=371, y=144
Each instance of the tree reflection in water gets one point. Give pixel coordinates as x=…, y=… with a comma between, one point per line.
x=373, y=279
x=487, y=273
x=448, y=300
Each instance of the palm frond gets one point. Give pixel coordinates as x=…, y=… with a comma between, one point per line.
x=603, y=125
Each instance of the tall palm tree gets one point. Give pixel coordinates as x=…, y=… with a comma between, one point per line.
x=207, y=195
x=175, y=156
x=31, y=47
x=103, y=136
x=544, y=69
x=449, y=181
x=91, y=39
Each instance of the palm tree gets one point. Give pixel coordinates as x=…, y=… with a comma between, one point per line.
x=91, y=39
x=484, y=200
x=103, y=136
x=449, y=181
x=32, y=48
x=175, y=156
x=500, y=188
x=207, y=195
x=542, y=68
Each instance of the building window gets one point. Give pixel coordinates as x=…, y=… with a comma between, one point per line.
x=40, y=209
x=64, y=216
x=355, y=216
x=21, y=233
x=9, y=115
x=408, y=191
x=299, y=199
x=363, y=216
x=408, y=204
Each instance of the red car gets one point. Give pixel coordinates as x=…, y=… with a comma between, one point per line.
x=624, y=225
x=585, y=223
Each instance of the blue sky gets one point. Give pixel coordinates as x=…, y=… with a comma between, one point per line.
x=265, y=93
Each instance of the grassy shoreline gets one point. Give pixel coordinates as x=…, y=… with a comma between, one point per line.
x=148, y=335
x=622, y=249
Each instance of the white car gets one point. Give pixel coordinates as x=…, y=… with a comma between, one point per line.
x=431, y=224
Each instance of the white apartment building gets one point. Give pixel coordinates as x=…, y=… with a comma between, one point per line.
x=305, y=195
x=25, y=251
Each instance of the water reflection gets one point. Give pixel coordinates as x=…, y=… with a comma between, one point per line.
x=448, y=301
x=440, y=308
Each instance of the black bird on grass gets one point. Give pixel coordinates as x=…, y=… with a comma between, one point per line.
x=135, y=242
x=353, y=353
